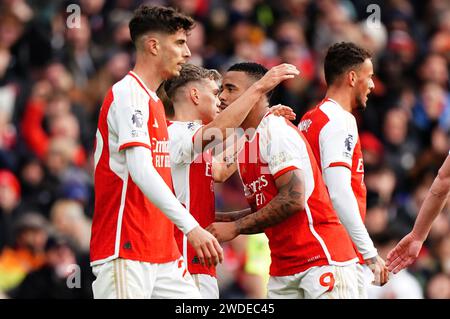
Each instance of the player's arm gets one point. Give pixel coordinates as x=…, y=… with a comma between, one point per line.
x=156, y=190
x=434, y=202
x=337, y=147
x=232, y=216
x=338, y=181
x=216, y=131
x=407, y=250
x=289, y=200
x=224, y=161
x=129, y=120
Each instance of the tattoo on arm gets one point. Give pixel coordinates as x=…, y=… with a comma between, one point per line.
x=232, y=216
x=288, y=201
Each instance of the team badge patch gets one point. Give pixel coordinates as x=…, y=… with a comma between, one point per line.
x=190, y=126
x=138, y=119
x=348, y=143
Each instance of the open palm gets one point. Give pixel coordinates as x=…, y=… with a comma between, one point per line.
x=404, y=254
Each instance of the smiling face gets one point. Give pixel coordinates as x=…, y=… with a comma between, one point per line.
x=174, y=52
x=364, y=84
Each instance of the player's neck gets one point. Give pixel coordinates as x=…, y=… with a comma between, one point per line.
x=148, y=74
x=255, y=116
x=184, y=113
x=341, y=96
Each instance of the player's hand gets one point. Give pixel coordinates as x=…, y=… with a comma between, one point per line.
x=206, y=246
x=276, y=75
x=380, y=272
x=404, y=254
x=223, y=231
x=283, y=110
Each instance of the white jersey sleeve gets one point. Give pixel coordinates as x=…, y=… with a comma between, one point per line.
x=280, y=145
x=337, y=141
x=181, y=146
x=130, y=118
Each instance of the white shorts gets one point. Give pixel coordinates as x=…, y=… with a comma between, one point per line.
x=130, y=279
x=365, y=279
x=207, y=285
x=324, y=282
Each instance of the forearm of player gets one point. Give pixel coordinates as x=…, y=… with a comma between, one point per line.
x=338, y=181
x=434, y=202
x=232, y=216
x=289, y=200
x=231, y=117
x=155, y=189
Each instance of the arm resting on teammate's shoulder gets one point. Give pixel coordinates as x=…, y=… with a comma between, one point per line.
x=145, y=176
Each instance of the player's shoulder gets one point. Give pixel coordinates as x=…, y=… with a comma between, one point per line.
x=274, y=127
x=180, y=128
x=334, y=112
x=130, y=88
x=273, y=122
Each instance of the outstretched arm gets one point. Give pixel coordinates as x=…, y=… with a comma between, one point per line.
x=289, y=200
x=407, y=250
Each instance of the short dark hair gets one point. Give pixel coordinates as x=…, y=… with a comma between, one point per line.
x=160, y=19
x=252, y=69
x=341, y=57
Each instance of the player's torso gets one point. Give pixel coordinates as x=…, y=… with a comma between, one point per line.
x=126, y=224
x=296, y=242
x=194, y=188
x=313, y=126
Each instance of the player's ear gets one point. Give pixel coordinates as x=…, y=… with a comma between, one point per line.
x=351, y=78
x=151, y=44
x=194, y=95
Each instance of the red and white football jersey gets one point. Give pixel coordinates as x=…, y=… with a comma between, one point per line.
x=126, y=224
x=311, y=237
x=333, y=135
x=193, y=184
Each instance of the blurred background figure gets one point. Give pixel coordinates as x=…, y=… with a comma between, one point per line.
x=60, y=277
x=27, y=252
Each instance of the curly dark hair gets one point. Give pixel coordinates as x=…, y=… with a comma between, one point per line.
x=156, y=18
x=341, y=57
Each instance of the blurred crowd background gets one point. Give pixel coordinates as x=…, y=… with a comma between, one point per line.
x=53, y=79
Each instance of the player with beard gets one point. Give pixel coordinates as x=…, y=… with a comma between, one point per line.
x=331, y=130
x=196, y=126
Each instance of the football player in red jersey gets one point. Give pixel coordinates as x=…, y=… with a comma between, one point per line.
x=197, y=123
x=331, y=130
x=311, y=253
x=133, y=250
